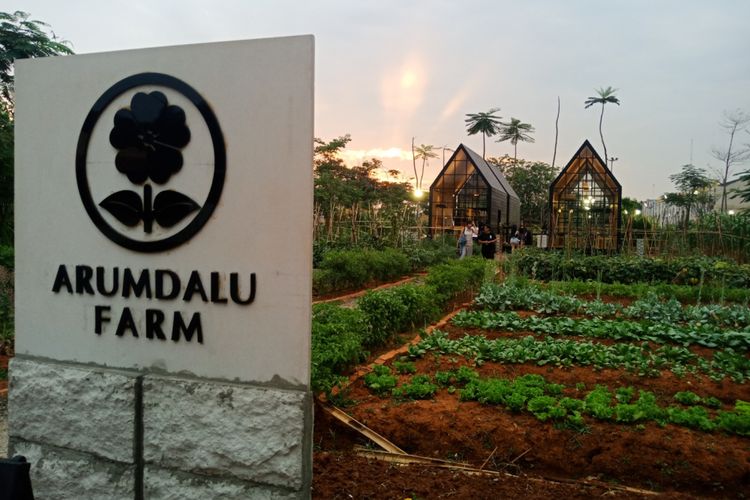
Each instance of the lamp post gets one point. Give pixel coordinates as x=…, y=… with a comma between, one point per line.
x=612, y=161
x=444, y=148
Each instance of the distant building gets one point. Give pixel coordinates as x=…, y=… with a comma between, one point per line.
x=471, y=189
x=585, y=204
x=733, y=187
x=662, y=212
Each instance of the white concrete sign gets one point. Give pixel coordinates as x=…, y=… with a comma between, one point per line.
x=163, y=209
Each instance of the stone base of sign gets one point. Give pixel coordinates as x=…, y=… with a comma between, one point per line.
x=217, y=429
x=58, y=473
x=174, y=485
x=91, y=432
x=73, y=407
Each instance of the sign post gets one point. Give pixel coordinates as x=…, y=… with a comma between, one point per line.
x=163, y=271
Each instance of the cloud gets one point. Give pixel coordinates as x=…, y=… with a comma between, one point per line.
x=355, y=156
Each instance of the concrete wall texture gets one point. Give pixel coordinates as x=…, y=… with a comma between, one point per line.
x=92, y=432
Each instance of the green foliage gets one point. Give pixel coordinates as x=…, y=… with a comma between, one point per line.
x=7, y=256
x=337, y=335
x=599, y=403
x=6, y=187
x=398, y=309
x=683, y=293
x=7, y=328
x=419, y=387
x=687, y=398
x=531, y=181
x=20, y=38
x=549, y=266
x=340, y=334
x=695, y=417
x=693, y=184
x=352, y=269
x=404, y=367
x=352, y=204
x=339, y=269
x=380, y=380
x=652, y=308
x=462, y=376
x=429, y=253
x=736, y=422
x=457, y=277
x=663, y=332
x=640, y=359
x=487, y=123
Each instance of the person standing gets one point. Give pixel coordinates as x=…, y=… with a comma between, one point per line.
x=488, y=241
x=466, y=240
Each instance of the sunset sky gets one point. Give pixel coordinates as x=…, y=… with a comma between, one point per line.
x=390, y=70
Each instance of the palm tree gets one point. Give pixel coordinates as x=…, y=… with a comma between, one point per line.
x=605, y=96
x=486, y=123
x=515, y=131
x=425, y=152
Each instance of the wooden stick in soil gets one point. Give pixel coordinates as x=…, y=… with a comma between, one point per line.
x=407, y=459
x=488, y=459
x=357, y=426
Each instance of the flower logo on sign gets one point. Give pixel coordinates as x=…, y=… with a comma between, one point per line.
x=149, y=137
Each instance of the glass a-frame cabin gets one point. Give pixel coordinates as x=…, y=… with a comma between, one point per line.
x=471, y=189
x=585, y=204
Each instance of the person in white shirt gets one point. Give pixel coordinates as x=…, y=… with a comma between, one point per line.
x=466, y=240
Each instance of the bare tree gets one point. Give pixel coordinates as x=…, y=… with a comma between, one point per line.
x=557, y=120
x=733, y=122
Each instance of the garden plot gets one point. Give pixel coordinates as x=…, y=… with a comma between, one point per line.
x=652, y=394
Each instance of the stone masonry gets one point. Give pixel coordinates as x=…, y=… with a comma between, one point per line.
x=91, y=432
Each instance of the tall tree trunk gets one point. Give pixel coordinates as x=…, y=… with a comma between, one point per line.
x=483, y=138
x=414, y=164
x=723, y=208
x=557, y=119
x=601, y=118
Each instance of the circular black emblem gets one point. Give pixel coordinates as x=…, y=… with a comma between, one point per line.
x=141, y=163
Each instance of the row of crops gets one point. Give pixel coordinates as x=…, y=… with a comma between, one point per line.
x=584, y=325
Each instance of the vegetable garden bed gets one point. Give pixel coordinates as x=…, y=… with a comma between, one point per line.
x=648, y=393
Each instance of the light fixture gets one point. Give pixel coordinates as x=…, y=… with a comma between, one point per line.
x=625, y=212
x=730, y=212
x=637, y=211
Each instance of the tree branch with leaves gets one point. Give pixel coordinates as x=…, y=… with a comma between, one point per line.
x=605, y=96
x=486, y=123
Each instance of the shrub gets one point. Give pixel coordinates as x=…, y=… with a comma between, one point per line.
x=453, y=278
x=7, y=256
x=420, y=387
x=550, y=266
x=404, y=367
x=337, y=335
x=687, y=398
x=398, y=309
x=380, y=380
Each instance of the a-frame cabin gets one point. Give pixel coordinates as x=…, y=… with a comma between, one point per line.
x=585, y=204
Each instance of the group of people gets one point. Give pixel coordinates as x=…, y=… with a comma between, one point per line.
x=484, y=237
x=520, y=238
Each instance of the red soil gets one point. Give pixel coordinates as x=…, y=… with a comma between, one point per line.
x=673, y=460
